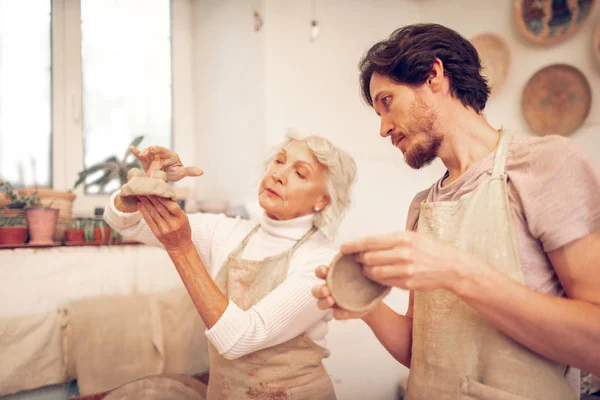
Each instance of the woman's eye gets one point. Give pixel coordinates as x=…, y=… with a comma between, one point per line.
x=277, y=161
x=386, y=100
x=300, y=175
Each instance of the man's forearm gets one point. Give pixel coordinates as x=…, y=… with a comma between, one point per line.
x=564, y=330
x=393, y=330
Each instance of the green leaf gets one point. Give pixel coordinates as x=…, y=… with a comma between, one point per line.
x=111, y=159
x=103, y=180
x=85, y=173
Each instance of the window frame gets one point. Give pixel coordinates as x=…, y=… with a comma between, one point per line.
x=67, y=122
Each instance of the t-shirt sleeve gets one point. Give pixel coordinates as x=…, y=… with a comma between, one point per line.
x=561, y=199
x=414, y=210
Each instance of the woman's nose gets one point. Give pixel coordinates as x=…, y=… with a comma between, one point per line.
x=278, y=177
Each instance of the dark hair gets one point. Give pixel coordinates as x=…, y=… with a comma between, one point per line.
x=407, y=57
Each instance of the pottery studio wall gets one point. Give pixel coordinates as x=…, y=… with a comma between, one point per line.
x=527, y=58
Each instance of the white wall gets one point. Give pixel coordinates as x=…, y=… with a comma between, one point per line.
x=229, y=92
x=527, y=58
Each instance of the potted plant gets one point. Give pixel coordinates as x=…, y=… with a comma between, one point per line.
x=74, y=233
x=103, y=234
x=41, y=221
x=19, y=200
x=60, y=200
x=97, y=231
x=13, y=230
x=110, y=169
x=16, y=203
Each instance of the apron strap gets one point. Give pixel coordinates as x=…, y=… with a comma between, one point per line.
x=303, y=239
x=501, y=152
x=240, y=247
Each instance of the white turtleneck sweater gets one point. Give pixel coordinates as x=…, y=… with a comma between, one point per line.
x=288, y=311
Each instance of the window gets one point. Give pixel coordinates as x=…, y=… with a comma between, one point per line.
x=126, y=74
x=79, y=79
x=25, y=92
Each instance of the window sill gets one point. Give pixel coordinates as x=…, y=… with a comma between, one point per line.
x=66, y=244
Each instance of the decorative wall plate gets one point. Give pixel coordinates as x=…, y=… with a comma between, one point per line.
x=495, y=59
x=556, y=100
x=551, y=21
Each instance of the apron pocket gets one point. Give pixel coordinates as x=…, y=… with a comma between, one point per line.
x=472, y=390
x=320, y=389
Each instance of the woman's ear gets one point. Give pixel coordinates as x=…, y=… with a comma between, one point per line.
x=321, y=203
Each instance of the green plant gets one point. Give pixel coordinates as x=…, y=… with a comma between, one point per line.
x=17, y=201
x=111, y=168
x=10, y=222
x=75, y=223
x=88, y=225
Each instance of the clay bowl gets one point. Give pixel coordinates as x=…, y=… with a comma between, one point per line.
x=350, y=289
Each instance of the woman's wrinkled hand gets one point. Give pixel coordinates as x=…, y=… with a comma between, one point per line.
x=168, y=222
x=171, y=163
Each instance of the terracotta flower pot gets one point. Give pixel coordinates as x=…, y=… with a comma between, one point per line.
x=13, y=234
x=74, y=235
x=42, y=224
x=61, y=200
x=98, y=235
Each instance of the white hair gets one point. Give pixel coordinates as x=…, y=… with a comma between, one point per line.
x=340, y=176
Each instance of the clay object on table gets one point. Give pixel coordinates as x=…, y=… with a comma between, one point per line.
x=495, y=59
x=556, y=100
x=140, y=185
x=161, y=387
x=350, y=289
x=551, y=21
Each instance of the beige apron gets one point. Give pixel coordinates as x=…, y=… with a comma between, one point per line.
x=457, y=353
x=290, y=370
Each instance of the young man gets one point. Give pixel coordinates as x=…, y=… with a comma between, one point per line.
x=501, y=255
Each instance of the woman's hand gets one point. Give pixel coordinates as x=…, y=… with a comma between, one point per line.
x=167, y=221
x=171, y=163
x=326, y=301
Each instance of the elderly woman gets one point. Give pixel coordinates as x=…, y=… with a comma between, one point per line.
x=251, y=280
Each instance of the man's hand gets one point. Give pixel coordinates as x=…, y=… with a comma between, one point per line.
x=411, y=261
x=171, y=163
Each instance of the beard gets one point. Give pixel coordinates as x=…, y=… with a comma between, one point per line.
x=423, y=153
x=427, y=140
